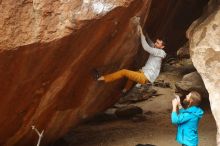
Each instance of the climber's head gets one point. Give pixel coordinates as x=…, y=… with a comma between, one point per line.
x=160, y=43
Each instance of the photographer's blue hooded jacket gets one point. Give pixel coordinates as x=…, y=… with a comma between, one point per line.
x=187, y=121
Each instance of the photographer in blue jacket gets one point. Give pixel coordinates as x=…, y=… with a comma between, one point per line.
x=187, y=120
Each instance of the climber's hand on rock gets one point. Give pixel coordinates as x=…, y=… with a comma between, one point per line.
x=137, y=20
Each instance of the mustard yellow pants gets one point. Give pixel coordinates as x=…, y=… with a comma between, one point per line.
x=136, y=76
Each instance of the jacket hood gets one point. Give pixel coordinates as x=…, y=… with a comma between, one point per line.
x=197, y=111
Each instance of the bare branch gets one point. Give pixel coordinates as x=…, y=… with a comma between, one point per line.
x=40, y=134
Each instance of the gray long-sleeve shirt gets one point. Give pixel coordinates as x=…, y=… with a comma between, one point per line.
x=152, y=67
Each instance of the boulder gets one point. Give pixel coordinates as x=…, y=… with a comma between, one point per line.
x=144, y=92
x=191, y=81
x=47, y=51
x=162, y=84
x=204, y=36
x=128, y=111
x=180, y=67
x=183, y=52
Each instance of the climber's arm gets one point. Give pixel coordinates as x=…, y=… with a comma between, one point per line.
x=144, y=43
x=150, y=42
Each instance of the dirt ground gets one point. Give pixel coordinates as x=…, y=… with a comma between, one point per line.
x=156, y=129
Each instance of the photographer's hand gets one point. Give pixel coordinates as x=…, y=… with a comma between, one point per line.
x=178, y=101
x=175, y=104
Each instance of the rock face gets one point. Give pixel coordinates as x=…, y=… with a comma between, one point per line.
x=171, y=19
x=48, y=49
x=204, y=35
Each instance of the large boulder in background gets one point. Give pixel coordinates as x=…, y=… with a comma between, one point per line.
x=183, y=52
x=47, y=51
x=128, y=111
x=191, y=82
x=204, y=35
x=180, y=67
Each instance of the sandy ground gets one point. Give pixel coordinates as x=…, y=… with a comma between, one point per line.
x=156, y=129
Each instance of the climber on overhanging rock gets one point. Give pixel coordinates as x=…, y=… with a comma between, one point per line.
x=149, y=72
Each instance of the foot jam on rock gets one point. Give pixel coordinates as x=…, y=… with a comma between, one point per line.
x=95, y=74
